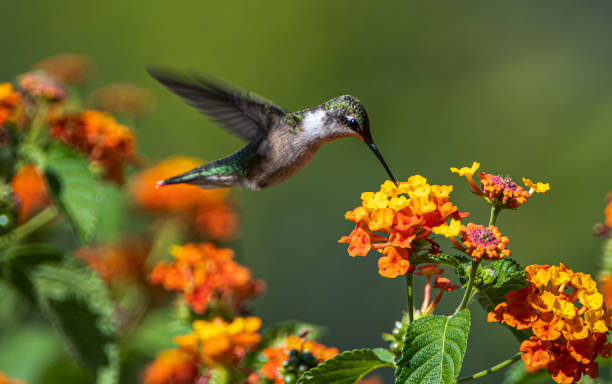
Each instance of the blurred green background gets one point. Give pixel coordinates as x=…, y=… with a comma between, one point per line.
x=523, y=87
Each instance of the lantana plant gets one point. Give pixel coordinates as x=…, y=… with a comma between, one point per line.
x=143, y=284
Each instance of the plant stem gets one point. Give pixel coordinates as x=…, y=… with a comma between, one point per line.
x=493, y=369
x=29, y=226
x=410, y=297
x=494, y=212
x=38, y=122
x=467, y=297
x=468, y=290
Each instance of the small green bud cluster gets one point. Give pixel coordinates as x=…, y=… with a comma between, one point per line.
x=397, y=337
x=297, y=363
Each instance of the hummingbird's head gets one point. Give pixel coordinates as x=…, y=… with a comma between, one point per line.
x=346, y=116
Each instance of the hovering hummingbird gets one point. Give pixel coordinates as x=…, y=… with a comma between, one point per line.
x=279, y=143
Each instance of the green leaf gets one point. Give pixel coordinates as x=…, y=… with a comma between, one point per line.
x=276, y=334
x=434, y=349
x=348, y=367
x=77, y=302
x=517, y=374
x=493, y=282
x=31, y=254
x=115, y=203
x=17, y=263
x=441, y=258
x=497, y=279
x=75, y=189
x=27, y=350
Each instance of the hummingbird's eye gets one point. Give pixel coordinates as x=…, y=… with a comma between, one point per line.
x=353, y=124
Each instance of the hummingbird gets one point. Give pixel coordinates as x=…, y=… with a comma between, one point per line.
x=279, y=143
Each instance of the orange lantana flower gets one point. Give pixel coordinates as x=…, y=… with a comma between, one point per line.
x=9, y=103
x=210, y=211
x=220, y=342
x=30, y=189
x=566, y=314
x=483, y=242
x=276, y=356
x=172, y=366
x=38, y=84
x=207, y=274
x=122, y=262
x=100, y=137
x=400, y=218
x=500, y=191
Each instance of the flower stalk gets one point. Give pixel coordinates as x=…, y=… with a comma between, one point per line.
x=493, y=369
x=467, y=297
x=29, y=226
x=409, y=291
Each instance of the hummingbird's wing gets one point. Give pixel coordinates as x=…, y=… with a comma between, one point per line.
x=243, y=114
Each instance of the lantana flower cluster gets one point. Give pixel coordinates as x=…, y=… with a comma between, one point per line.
x=221, y=342
x=394, y=219
x=478, y=241
x=9, y=102
x=40, y=85
x=30, y=190
x=565, y=312
x=99, y=136
x=118, y=263
x=215, y=342
x=293, y=353
x=172, y=366
x=207, y=274
x=209, y=211
x=500, y=191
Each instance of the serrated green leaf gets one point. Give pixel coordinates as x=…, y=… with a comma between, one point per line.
x=276, y=334
x=517, y=374
x=75, y=189
x=77, y=302
x=348, y=367
x=493, y=282
x=17, y=263
x=434, y=349
x=441, y=258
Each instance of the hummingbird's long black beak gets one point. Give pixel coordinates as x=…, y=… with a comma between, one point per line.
x=382, y=161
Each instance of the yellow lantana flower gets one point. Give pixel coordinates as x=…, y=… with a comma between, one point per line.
x=536, y=187
x=448, y=230
x=466, y=171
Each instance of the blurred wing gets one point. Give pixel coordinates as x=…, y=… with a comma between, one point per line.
x=245, y=115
